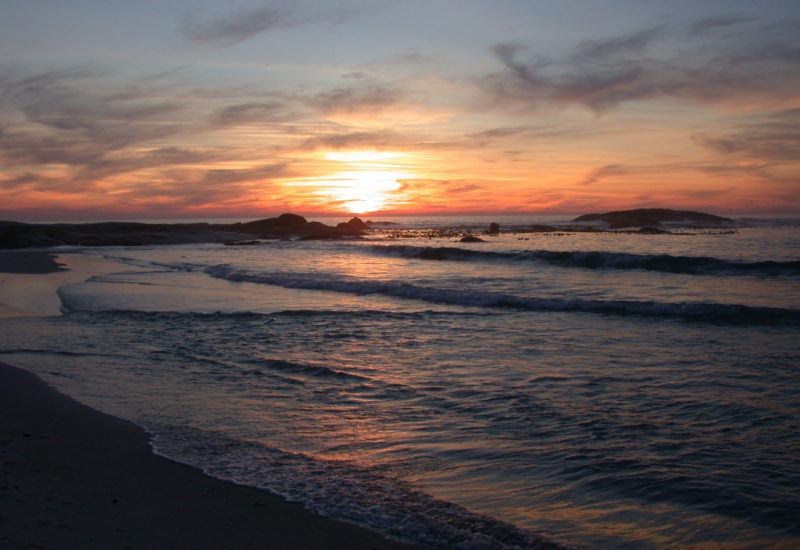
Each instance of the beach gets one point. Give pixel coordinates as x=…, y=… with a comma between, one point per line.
x=597, y=389
x=73, y=477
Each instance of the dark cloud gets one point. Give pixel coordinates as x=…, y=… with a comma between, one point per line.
x=713, y=23
x=15, y=87
x=775, y=137
x=236, y=27
x=368, y=98
x=372, y=139
x=71, y=110
x=487, y=136
x=190, y=187
x=225, y=177
x=633, y=44
x=459, y=189
x=25, y=179
x=253, y=113
x=164, y=157
x=71, y=130
x=759, y=61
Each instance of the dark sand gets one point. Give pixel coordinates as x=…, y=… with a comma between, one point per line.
x=75, y=478
x=30, y=262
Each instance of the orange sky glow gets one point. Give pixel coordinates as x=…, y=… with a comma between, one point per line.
x=519, y=109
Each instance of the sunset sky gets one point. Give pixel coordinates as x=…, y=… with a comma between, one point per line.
x=191, y=109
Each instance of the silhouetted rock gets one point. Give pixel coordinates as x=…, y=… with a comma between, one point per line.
x=292, y=225
x=291, y=220
x=23, y=235
x=653, y=231
x=355, y=224
x=471, y=239
x=538, y=228
x=651, y=217
x=494, y=229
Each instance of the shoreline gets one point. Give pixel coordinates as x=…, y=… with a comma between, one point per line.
x=29, y=280
x=74, y=477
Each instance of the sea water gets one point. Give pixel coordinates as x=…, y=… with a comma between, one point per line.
x=607, y=390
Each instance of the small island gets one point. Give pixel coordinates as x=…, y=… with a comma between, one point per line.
x=652, y=217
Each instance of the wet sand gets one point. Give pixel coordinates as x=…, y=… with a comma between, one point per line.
x=29, y=280
x=74, y=478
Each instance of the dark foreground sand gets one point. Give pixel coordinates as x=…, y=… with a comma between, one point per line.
x=74, y=478
x=30, y=262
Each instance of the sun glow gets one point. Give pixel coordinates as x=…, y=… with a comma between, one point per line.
x=363, y=157
x=361, y=191
x=371, y=181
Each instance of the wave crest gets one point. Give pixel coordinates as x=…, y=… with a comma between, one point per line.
x=693, y=265
x=712, y=312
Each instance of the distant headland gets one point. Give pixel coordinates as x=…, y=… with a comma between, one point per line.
x=26, y=235
x=651, y=217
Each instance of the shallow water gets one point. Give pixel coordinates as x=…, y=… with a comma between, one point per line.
x=644, y=395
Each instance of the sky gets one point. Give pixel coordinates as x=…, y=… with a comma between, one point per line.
x=207, y=109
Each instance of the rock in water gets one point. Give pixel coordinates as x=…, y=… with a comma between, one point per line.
x=355, y=224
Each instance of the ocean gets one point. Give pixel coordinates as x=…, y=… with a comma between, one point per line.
x=604, y=390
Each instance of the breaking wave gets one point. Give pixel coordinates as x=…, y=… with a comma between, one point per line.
x=712, y=312
x=694, y=265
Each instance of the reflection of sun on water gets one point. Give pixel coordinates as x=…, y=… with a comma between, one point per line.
x=370, y=183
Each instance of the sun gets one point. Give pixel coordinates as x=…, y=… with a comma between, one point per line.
x=361, y=191
x=365, y=181
x=363, y=206
x=358, y=182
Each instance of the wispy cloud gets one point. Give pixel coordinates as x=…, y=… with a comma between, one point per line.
x=603, y=172
x=368, y=139
x=68, y=120
x=772, y=137
x=757, y=63
x=233, y=28
x=366, y=99
x=625, y=175
x=254, y=113
x=238, y=25
x=719, y=22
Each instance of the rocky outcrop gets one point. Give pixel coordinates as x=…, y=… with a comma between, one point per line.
x=24, y=235
x=651, y=217
x=355, y=224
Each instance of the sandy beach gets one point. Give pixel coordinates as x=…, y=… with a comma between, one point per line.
x=21, y=294
x=75, y=478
